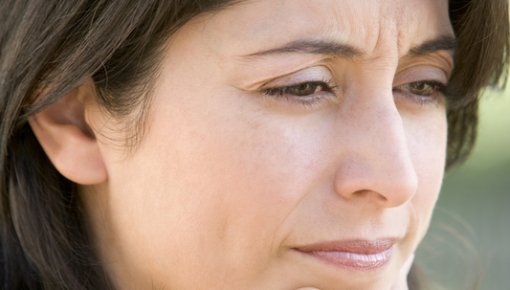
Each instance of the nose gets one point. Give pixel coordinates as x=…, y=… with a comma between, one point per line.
x=375, y=164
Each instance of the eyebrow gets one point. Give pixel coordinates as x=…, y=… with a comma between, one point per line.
x=313, y=47
x=445, y=42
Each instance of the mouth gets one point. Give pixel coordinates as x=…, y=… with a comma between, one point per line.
x=354, y=255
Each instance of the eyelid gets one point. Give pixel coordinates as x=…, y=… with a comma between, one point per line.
x=420, y=73
x=317, y=73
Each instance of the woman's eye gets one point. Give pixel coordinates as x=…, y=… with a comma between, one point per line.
x=305, y=93
x=424, y=88
x=299, y=90
x=423, y=92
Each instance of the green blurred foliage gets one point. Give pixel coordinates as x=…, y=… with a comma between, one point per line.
x=469, y=239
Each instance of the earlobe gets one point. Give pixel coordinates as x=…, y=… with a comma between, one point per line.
x=67, y=139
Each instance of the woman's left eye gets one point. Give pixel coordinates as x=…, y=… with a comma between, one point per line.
x=424, y=92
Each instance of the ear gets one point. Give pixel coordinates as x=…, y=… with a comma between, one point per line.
x=67, y=139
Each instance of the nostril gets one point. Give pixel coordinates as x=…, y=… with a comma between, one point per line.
x=404, y=187
x=370, y=194
x=378, y=163
x=383, y=186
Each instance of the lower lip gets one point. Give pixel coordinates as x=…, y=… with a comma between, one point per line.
x=354, y=261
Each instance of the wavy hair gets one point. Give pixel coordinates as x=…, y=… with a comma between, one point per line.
x=48, y=47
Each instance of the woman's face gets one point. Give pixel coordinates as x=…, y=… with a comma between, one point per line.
x=289, y=144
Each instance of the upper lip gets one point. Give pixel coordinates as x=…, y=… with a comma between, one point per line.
x=358, y=246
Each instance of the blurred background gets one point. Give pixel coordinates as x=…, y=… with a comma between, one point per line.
x=469, y=238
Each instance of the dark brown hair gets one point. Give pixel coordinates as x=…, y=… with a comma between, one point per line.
x=53, y=46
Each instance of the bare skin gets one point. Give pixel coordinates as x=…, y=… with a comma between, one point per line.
x=239, y=168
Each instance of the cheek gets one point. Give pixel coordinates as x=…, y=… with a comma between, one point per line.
x=235, y=171
x=212, y=187
x=428, y=139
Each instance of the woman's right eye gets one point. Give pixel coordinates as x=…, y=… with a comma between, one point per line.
x=298, y=90
x=305, y=93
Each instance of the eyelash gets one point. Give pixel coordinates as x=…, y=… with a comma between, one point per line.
x=437, y=90
x=288, y=93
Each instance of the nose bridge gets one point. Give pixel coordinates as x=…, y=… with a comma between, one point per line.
x=378, y=160
x=385, y=140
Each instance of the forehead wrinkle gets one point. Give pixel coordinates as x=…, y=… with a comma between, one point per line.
x=400, y=16
x=390, y=24
x=383, y=33
x=398, y=30
x=383, y=47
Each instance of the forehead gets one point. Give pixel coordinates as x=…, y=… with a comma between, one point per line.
x=372, y=25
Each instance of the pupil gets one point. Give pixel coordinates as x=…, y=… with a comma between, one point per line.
x=304, y=89
x=422, y=87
